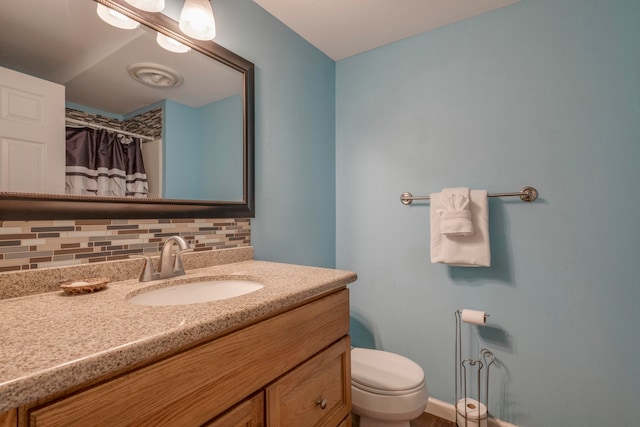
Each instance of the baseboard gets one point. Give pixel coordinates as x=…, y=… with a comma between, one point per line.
x=447, y=411
x=441, y=409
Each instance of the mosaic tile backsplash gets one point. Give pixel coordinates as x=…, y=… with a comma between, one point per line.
x=149, y=123
x=26, y=245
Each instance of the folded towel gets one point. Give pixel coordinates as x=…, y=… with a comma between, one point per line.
x=455, y=215
x=462, y=251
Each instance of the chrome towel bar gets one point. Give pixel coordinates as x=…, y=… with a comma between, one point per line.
x=526, y=194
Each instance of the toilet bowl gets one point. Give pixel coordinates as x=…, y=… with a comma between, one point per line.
x=387, y=390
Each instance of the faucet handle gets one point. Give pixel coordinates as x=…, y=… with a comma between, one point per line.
x=178, y=267
x=148, y=272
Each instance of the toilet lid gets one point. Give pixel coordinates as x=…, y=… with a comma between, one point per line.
x=384, y=371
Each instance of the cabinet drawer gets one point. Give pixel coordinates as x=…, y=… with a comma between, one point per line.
x=317, y=393
x=249, y=413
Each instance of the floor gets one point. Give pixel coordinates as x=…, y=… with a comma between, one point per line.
x=428, y=420
x=425, y=420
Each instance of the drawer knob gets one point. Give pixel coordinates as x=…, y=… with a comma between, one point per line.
x=322, y=403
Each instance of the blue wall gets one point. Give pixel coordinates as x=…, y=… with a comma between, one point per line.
x=182, y=135
x=295, y=134
x=198, y=144
x=221, y=161
x=543, y=93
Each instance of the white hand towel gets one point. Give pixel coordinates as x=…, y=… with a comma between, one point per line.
x=455, y=215
x=462, y=251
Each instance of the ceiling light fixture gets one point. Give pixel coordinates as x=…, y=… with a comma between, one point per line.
x=170, y=44
x=147, y=5
x=197, y=21
x=115, y=18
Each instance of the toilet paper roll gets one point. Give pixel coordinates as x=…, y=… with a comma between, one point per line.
x=473, y=316
x=471, y=413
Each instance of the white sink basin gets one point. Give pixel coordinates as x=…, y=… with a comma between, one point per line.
x=196, y=292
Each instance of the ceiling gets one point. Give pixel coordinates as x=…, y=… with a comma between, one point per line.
x=65, y=42
x=342, y=28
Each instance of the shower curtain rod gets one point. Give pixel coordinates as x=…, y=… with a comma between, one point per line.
x=96, y=126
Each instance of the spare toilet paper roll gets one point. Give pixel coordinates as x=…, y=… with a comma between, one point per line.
x=471, y=413
x=473, y=316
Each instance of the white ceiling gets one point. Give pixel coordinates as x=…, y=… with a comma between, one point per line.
x=342, y=28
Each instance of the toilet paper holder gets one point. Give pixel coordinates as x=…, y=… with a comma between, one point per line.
x=463, y=370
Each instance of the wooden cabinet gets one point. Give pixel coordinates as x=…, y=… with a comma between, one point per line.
x=299, y=357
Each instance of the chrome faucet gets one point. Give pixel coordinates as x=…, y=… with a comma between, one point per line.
x=167, y=267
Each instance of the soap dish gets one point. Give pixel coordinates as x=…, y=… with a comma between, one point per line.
x=84, y=286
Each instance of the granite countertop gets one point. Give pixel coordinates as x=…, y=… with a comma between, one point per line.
x=53, y=341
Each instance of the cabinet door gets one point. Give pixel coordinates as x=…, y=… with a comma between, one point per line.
x=249, y=413
x=317, y=393
x=9, y=418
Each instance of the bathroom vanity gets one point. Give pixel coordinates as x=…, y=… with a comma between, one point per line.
x=279, y=356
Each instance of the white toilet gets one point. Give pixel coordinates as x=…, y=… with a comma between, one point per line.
x=388, y=390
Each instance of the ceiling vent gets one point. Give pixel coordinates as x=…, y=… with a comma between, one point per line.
x=155, y=75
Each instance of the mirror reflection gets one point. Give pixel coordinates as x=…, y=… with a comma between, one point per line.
x=91, y=109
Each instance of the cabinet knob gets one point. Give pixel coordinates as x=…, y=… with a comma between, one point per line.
x=322, y=403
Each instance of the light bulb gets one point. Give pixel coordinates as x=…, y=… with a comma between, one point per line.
x=147, y=5
x=115, y=18
x=170, y=44
x=197, y=21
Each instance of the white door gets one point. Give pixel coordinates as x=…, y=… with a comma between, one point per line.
x=32, y=135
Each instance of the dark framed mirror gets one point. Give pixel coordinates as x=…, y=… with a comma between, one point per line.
x=238, y=173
